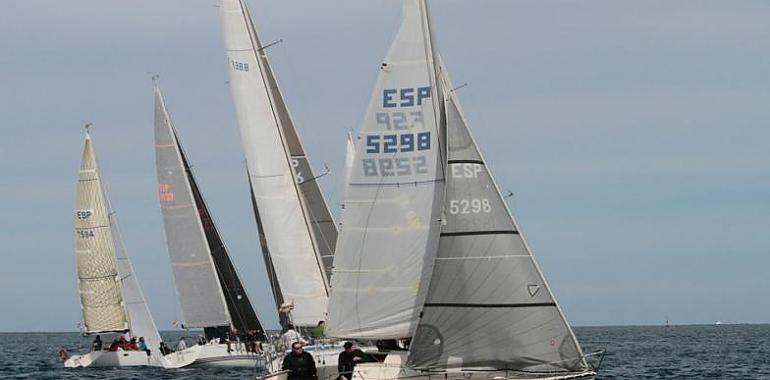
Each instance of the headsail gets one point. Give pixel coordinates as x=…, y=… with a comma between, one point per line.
x=197, y=282
x=488, y=305
x=140, y=319
x=295, y=225
x=101, y=297
x=393, y=195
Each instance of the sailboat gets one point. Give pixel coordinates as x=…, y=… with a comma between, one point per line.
x=429, y=252
x=209, y=290
x=111, y=299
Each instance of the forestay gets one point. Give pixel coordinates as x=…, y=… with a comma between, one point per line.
x=390, y=221
x=198, y=288
x=488, y=305
x=295, y=225
x=101, y=297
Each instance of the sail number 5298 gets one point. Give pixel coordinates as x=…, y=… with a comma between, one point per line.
x=469, y=206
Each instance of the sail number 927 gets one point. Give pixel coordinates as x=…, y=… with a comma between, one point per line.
x=469, y=206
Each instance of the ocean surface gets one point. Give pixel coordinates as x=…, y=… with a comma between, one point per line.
x=645, y=352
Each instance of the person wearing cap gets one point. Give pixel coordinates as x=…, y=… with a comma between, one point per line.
x=347, y=360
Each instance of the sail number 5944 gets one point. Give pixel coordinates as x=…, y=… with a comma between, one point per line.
x=469, y=206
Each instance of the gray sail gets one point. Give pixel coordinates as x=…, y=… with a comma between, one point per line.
x=198, y=288
x=488, y=305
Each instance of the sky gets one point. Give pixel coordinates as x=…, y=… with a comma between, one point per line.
x=634, y=136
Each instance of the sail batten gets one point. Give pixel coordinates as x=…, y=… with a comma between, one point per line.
x=297, y=233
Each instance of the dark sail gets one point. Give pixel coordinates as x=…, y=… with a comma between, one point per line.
x=242, y=313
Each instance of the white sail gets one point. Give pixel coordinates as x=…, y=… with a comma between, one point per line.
x=393, y=195
x=198, y=288
x=140, y=319
x=101, y=297
x=297, y=232
x=488, y=305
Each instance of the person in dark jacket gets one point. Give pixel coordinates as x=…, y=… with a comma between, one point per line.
x=347, y=361
x=300, y=364
x=97, y=345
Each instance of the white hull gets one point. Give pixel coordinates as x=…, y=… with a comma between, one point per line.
x=111, y=359
x=215, y=355
x=393, y=369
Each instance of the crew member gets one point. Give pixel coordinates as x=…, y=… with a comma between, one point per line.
x=300, y=364
x=348, y=360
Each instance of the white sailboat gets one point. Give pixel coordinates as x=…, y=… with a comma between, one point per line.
x=297, y=232
x=209, y=290
x=110, y=296
x=429, y=251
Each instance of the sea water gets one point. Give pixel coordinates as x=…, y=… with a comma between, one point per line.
x=644, y=352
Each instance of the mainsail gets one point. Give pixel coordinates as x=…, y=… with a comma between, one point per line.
x=101, y=297
x=198, y=286
x=488, y=305
x=393, y=195
x=297, y=232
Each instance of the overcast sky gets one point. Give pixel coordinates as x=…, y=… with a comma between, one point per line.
x=634, y=135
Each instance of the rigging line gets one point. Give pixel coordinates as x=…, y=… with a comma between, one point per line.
x=269, y=45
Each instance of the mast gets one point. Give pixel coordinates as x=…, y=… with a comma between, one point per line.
x=393, y=196
x=295, y=224
x=101, y=294
x=199, y=290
